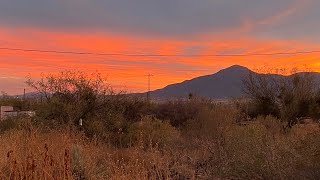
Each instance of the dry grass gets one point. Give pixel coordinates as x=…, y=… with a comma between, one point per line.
x=215, y=148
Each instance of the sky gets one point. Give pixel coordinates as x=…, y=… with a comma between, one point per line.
x=168, y=27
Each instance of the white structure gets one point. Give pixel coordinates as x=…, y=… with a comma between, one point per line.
x=10, y=111
x=6, y=111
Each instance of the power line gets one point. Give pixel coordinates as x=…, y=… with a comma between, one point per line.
x=159, y=55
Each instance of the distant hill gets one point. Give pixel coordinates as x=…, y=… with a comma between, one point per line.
x=224, y=84
x=29, y=95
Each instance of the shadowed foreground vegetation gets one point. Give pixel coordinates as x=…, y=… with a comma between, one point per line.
x=123, y=137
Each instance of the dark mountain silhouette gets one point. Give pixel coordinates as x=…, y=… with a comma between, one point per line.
x=227, y=83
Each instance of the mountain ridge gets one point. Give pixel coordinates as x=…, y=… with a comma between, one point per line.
x=224, y=84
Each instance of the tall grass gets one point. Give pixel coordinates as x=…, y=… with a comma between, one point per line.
x=210, y=146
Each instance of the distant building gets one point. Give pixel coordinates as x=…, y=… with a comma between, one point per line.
x=10, y=111
x=7, y=111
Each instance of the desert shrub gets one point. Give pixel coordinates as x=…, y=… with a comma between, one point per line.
x=179, y=112
x=262, y=89
x=285, y=97
x=272, y=124
x=253, y=152
x=71, y=95
x=134, y=109
x=213, y=147
x=307, y=148
x=137, y=163
x=15, y=123
x=151, y=132
x=245, y=146
x=26, y=157
x=256, y=151
x=51, y=114
x=264, y=106
x=211, y=121
x=8, y=124
x=253, y=109
x=77, y=163
x=314, y=108
x=206, y=134
x=96, y=129
x=110, y=129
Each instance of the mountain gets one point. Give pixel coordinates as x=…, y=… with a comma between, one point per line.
x=224, y=84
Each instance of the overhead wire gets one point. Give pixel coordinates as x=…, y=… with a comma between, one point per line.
x=158, y=55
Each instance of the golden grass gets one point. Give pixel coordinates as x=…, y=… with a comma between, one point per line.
x=255, y=151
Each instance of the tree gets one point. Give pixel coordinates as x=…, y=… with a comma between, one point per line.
x=286, y=97
x=71, y=95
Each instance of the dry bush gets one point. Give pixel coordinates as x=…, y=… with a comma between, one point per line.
x=285, y=97
x=25, y=155
x=139, y=163
x=215, y=148
x=272, y=124
x=71, y=95
x=51, y=155
x=65, y=155
x=179, y=112
x=308, y=163
x=253, y=153
x=8, y=124
x=205, y=139
x=261, y=151
x=151, y=132
x=211, y=121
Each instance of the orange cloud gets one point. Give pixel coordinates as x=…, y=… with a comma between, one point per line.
x=129, y=71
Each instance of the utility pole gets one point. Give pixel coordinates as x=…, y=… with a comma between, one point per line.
x=24, y=94
x=23, y=100
x=149, y=86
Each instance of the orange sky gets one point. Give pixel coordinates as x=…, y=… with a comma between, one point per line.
x=127, y=72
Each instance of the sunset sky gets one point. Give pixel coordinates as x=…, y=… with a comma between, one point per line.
x=192, y=28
